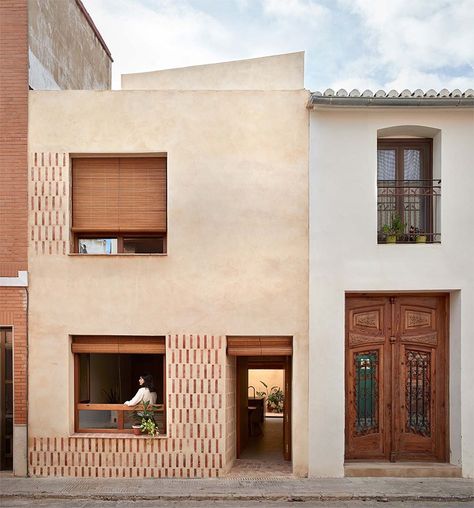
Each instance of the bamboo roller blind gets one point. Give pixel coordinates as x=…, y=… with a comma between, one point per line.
x=117, y=194
x=259, y=346
x=118, y=344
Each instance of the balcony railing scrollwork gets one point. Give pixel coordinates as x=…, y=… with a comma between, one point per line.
x=417, y=203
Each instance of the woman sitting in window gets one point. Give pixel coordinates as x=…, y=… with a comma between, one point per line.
x=146, y=392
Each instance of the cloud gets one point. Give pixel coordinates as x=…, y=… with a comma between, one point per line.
x=415, y=43
x=348, y=43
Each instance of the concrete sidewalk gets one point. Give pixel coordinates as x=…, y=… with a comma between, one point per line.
x=278, y=489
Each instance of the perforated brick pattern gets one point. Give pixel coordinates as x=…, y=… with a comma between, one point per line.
x=48, y=200
x=194, y=446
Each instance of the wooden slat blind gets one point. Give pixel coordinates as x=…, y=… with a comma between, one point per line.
x=119, y=194
x=118, y=344
x=259, y=346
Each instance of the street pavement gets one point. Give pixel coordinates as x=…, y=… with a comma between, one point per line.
x=82, y=492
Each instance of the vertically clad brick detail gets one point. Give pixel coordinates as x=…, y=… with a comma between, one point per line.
x=13, y=313
x=195, y=443
x=13, y=136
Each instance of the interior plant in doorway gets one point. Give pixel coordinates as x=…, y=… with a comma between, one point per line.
x=394, y=230
x=275, y=400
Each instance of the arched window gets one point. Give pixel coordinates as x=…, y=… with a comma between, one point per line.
x=408, y=195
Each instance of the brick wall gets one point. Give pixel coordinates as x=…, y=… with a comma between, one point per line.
x=196, y=419
x=13, y=313
x=13, y=136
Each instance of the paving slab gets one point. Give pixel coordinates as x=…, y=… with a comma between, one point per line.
x=278, y=489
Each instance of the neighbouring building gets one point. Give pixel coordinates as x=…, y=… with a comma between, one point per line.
x=44, y=44
x=391, y=325
x=168, y=234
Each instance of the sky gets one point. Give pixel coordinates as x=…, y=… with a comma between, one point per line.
x=388, y=44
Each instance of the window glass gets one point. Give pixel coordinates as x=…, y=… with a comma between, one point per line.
x=386, y=164
x=412, y=164
x=110, y=378
x=97, y=245
x=143, y=245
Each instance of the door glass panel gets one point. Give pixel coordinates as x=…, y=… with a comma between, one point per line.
x=418, y=392
x=8, y=364
x=412, y=165
x=366, y=396
x=386, y=165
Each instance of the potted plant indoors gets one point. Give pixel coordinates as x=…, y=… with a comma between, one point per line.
x=393, y=230
x=145, y=422
x=275, y=400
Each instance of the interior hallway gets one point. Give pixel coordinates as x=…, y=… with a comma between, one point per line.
x=263, y=455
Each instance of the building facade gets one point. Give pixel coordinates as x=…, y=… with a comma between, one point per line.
x=36, y=54
x=391, y=325
x=199, y=198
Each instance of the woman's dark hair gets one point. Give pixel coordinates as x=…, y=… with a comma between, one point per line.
x=148, y=382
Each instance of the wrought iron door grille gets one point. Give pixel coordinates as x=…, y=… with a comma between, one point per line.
x=366, y=392
x=418, y=392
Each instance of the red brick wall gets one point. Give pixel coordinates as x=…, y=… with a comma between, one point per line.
x=13, y=136
x=13, y=313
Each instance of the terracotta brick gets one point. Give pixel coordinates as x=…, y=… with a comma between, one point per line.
x=13, y=137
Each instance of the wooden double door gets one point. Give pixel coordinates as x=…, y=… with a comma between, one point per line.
x=396, y=377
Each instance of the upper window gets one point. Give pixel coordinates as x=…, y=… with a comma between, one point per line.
x=119, y=205
x=407, y=195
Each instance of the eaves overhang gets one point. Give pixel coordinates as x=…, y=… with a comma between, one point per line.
x=416, y=99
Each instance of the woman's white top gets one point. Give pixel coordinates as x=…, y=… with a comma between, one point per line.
x=143, y=395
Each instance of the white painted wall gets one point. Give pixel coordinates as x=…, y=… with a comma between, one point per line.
x=345, y=256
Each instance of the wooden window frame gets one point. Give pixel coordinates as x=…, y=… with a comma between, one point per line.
x=425, y=145
x=105, y=342
x=119, y=237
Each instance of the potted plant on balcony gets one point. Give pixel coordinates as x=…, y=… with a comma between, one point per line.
x=417, y=235
x=394, y=230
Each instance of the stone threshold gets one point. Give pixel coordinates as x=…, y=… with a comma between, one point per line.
x=402, y=470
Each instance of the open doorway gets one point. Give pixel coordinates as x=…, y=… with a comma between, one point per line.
x=262, y=398
x=262, y=434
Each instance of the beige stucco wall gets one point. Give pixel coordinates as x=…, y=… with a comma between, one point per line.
x=345, y=257
x=64, y=52
x=271, y=377
x=278, y=72
x=237, y=261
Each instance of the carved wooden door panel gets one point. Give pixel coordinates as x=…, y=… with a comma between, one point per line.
x=367, y=389
x=396, y=378
x=420, y=394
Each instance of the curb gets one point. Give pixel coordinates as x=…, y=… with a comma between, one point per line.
x=243, y=497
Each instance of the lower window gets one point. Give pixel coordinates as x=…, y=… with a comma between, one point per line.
x=107, y=374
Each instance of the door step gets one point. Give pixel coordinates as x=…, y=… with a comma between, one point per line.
x=402, y=469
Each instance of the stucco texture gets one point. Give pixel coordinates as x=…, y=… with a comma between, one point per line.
x=65, y=52
x=345, y=257
x=237, y=261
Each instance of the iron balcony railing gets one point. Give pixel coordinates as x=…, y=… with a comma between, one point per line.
x=417, y=203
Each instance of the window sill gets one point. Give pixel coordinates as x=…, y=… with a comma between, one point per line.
x=114, y=435
x=154, y=254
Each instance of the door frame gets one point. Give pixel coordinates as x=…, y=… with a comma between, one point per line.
x=446, y=361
